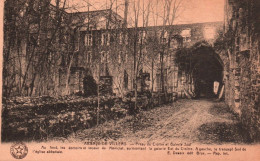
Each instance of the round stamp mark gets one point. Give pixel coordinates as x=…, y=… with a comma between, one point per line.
x=19, y=150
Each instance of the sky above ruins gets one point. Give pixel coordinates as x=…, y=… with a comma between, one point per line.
x=191, y=11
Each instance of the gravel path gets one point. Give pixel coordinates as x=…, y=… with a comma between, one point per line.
x=193, y=121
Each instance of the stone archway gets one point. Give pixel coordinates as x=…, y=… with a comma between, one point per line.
x=206, y=68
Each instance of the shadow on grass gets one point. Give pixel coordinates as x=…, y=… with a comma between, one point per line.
x=114, y=130
x=230, y=131
x=222, y=132
x=223, y=110
x=127, y=126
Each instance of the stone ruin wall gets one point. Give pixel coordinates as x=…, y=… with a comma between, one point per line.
x=243, y=71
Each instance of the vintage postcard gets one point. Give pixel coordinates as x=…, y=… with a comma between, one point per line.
x=145, y=80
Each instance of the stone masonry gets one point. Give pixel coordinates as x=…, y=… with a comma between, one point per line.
x=243, y=72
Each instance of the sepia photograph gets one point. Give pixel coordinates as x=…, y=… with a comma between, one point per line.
x=146, y=76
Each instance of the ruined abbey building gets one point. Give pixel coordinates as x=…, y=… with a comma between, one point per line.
x=53, y=52
x=60, y=49
x=242, y=62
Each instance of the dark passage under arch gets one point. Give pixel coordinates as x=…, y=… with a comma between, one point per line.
x=206, y=68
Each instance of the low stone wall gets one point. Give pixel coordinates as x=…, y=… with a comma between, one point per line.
x=38, y=121
x=41, y=119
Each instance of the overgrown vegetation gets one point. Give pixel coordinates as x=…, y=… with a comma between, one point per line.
x=43, y=118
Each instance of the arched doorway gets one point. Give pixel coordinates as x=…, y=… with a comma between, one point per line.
x=207, y=68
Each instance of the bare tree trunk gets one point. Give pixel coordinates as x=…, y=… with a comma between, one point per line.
x=152, y=75
x=98, y=92
x=67, y=90
x=136, y=12
x=135, y=71
x=126, y=13
x=162, y=72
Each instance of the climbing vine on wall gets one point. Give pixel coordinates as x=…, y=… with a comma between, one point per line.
x=183, y=59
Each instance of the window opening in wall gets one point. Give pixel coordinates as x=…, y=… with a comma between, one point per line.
x=164, y=36
x=103, y=57
x=174, y=43
x=125, y=80
x=120, y=57
x=209, y=33
x=186, y=35
x=141, y=37
x=120, y=38
x=76, y=38
x=88, y=40
x=105, y=40
x=89, y=57
x=126, y=39
x=108, y=58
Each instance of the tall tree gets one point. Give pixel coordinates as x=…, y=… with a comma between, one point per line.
x=35, y=34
